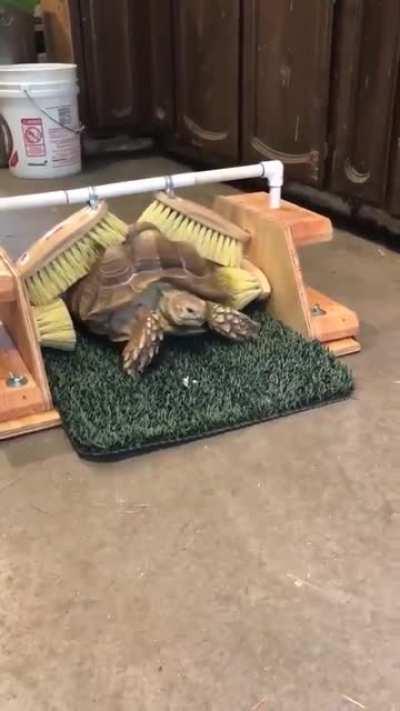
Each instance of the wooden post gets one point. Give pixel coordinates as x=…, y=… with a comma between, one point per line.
x=57, y=30
x=276, y=237
x=27, y=406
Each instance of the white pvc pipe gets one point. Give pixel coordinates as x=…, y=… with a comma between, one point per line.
x=272, y=171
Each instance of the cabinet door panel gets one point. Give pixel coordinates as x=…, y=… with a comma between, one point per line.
x=365, y=74
x=206, y=40
x=115, y=46
x=287, y=48
x=161, y=65
x=393, y=198
x=124, y=54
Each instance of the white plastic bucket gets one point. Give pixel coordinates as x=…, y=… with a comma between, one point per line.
x=39, y=103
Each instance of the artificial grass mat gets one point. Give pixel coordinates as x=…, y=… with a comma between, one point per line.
x=198, y=386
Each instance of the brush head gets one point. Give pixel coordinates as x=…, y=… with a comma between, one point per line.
x=66, y=253
x=54, y=326
x=242, y=285
x=181, y=220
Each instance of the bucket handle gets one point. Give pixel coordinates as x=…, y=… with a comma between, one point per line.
x=6, y=137
x=76, y=131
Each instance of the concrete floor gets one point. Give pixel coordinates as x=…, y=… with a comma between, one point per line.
x=258, y=570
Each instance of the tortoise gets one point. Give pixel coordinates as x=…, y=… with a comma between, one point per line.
x=147, y=287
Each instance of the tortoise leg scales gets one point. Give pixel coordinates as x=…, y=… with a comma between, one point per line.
x=230, y=323
x=144, y=343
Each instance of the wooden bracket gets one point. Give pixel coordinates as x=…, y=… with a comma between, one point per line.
x=27, y=407
x=276, y=237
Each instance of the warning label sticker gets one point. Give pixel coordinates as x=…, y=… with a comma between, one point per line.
x=32, y=131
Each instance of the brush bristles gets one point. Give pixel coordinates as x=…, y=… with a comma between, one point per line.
x=73, y=264
x=54, y=326
x=210, y=244
x=241, y=286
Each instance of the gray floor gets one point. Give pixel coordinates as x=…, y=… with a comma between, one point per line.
x=258, y=570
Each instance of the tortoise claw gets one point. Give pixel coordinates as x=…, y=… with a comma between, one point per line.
x=231, y=324
x=143, y=345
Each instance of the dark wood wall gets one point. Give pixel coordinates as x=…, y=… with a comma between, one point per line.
x=312, y=82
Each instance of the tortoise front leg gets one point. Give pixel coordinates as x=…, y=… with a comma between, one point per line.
x=230, y=323
x=144, y=343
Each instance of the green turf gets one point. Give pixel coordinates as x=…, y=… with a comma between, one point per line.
x=196, y=387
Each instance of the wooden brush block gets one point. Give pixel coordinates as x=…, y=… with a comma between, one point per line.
x=276, y=235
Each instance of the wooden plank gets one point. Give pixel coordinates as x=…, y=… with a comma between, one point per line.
x=29, y=424
x=57, y=30
x=7, y=285
x=273, y=251
x=330, y=320
x=307, y=227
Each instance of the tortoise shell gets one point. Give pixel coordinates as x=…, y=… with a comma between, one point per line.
x=125, y=273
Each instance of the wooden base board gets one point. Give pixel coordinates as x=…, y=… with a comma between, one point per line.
x=28, y=424
x=343, y=347
x=330, y=321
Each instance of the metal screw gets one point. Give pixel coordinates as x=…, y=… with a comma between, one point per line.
x=15, y=380
x=317, y=311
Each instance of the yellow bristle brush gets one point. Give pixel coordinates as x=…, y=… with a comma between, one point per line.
x=66, y=253
x=214, y=237
x=54, y=327
x=244, y=284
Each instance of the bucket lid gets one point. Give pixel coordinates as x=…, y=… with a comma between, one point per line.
x=37, y=73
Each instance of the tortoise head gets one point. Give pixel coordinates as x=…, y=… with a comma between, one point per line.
x=183, y=310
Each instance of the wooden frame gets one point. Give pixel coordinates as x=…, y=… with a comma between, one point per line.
x=28, y=407
x=277, y=235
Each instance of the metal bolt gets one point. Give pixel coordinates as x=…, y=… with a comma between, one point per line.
x=15, y=380
x=317, y=311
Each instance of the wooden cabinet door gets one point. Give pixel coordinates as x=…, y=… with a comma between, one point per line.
x=393, y=197
x=127, y=63
x=365, y=76
x=286, y=71
x=161, y=65
x=206, y=41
